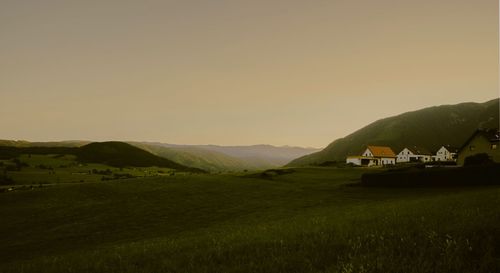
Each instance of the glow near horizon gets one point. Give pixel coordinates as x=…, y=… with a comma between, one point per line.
x=298, y=73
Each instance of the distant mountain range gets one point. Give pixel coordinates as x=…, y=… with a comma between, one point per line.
x=210, y=158
x=430, y=128
x=226, y=158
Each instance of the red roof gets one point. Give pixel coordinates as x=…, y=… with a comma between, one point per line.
x=381, y=151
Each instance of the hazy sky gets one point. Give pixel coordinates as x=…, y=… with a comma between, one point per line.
x=236, y=72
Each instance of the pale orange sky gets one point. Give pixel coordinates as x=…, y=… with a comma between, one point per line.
x=236, y=72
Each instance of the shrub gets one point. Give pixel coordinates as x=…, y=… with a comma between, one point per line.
x=478, y=159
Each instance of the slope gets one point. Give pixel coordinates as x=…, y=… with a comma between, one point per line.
x=429, y=128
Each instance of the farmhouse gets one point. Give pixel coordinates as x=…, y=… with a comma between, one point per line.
x=374, y=156
x=481, y=142
x=446, y=153
x=414, y=154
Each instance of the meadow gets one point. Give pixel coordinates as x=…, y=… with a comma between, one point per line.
x=300, y=220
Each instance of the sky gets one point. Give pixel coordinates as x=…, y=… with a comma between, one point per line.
x=233, y=72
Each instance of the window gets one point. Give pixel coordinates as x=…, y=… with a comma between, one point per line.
x=493, y=146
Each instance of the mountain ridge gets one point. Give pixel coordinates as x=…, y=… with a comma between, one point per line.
x=226, y=158
x=429, y=127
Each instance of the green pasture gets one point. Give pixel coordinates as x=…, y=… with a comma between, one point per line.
x=302, y=220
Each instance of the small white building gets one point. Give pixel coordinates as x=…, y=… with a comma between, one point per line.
x=361, y=160
x=414, y=154
x=374, y=156
x=446, y=153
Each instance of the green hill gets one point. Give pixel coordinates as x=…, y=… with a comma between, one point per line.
x=120, y=154
x=429, y=128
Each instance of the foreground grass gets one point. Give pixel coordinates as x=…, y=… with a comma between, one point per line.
x=307, y=221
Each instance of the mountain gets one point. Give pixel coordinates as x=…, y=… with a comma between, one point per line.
x=226, y=158
x=430, y=128
x=121, y=154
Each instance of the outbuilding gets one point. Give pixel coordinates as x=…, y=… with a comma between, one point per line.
x=484, y=141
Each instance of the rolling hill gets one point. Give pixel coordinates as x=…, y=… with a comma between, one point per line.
x=429, y=128
x=121, y=154
x=226, y=158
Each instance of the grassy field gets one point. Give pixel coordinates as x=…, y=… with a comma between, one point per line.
x=304, y=220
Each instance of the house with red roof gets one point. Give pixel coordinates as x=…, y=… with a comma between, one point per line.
x=374, y=156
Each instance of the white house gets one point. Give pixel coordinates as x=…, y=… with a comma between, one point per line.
x=446, y=153
x=374, y=156
x=414, y=154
